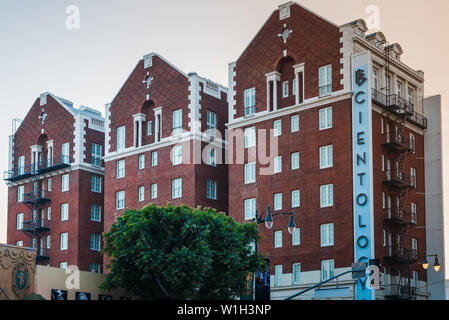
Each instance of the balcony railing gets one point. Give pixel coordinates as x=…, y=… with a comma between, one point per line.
x=419, y=120
x=48, y=165
x=399, y=179
x=36, y=197
x=393, y=103
x=42, y=255
x=400, y=292
x=399, y=255
x=398, y=216
x=36, y=226
x=399, y=142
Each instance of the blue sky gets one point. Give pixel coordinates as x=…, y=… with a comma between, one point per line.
x=88, y=66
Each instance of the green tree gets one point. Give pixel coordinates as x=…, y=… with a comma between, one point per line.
x=180, y=253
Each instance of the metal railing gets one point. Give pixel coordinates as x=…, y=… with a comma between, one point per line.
x=39, y=195
x=400, y=253
x=419, y=120
x=398, y=215
x=399, y=141
x=36, y=225
x=42, y=254
x=400, y=291
x=37, y=168
x=399, y=178
x=393, y=103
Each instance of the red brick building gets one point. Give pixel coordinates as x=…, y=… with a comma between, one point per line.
x=295, y=78
x=55, y=183
x=157, y=127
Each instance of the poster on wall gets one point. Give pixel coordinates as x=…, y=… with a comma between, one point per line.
x=57, y=294
x=82, y=296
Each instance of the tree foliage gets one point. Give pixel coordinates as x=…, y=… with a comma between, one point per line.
x=180, y=253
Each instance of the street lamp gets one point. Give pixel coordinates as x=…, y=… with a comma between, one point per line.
x=268, y=220
x=436, y=264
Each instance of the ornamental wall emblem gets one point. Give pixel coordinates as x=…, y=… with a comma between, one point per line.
x=20, y=280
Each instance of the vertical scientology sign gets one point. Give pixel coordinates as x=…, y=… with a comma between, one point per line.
x=362, y=168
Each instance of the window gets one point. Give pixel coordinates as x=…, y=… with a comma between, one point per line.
x=325, y=80
x=278, y=275
x=411, y=95
x=94, y=267
x=278, y=164
x=285, y=89
x=327, y=269
x=296, y=272
x=141, y=162
x=120, y=169
x=211, y=158
x=49, y=184
x=415, y=279
x=19, y=243
x=95, y=242
x=177, y=155
x=63, y=265
x=278, y=239
x=64, y=212
x=325, y=118
x=65, y=183
x=177, y=122
x=20, y=193
x=211, y=120
x=95, y=212
x=250, y=101
x=327, y=196
x=383, y=163
x=294, y=87
x=413, y=177
x=64, y=241
x=141, y=193
x=296, y=237
x=277, y=126
x=96, y=151
x=294, y=123
x=120, y=200
x=49, y=213
x=375, y=79
x=121, y=131
x=412, y=142
x=48, y=242
x=19, y=221
x=327, y=235
x=95, y=184
x=384, y=242
x=399, y=88
x=21, y=165
x=295, y=160
x=66, y=152
x=415, y=245
x=149, y=128
x=154, y=159
x=326, y=157
x=176, y=188
x=413, y=212
x=296, y=202
x=250, y=208
x=383, y=200
x=154, y=191
x=211, y=189
x=278, y=201
x=250, y=172
x=250, y=137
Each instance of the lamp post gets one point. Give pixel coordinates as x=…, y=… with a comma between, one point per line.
x=268, y=221
x=425, y=265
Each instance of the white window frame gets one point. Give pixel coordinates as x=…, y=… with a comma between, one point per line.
x=149, y=128
x=65, y=183
x=211, y=120
x=296, y=237
x=120, y=200
x=296, y=198
x=176, y=155
x=65, y=211
x=277, y=239
x=327, y=235
x=19, y=221
x=94, y=215
x=95, y=242
x=413, y=177
x=96, y=154
x=20, y=194
x=249, y=206
x=121, y=138
x=326, y=157
x=326, y=196
x=177, y=188
x=121, y=167
x=141, y=161
x=63, y=265
x=250, y=173
x=325, y=118
x=249, y=101
x=141, y=193
x=294, y=123
x=250, y=137
x=327, y=269
x=325, y=80
x=211, y=189
x=296, y=274
x=278, y=275
x=277, y=128
x=154, y=158
x=64, y=238
x=285, y=91
x=95, y=184
x=154, y=191
x=277, y=201
x=177, y=122
x=295, y=160
x=277, y=168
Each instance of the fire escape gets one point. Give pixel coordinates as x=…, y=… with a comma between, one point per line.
x=397, y=184
x=38, y=198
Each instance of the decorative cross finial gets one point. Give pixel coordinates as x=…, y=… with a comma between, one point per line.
x=43, y=116
x=285, y=33
x=148, y=80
